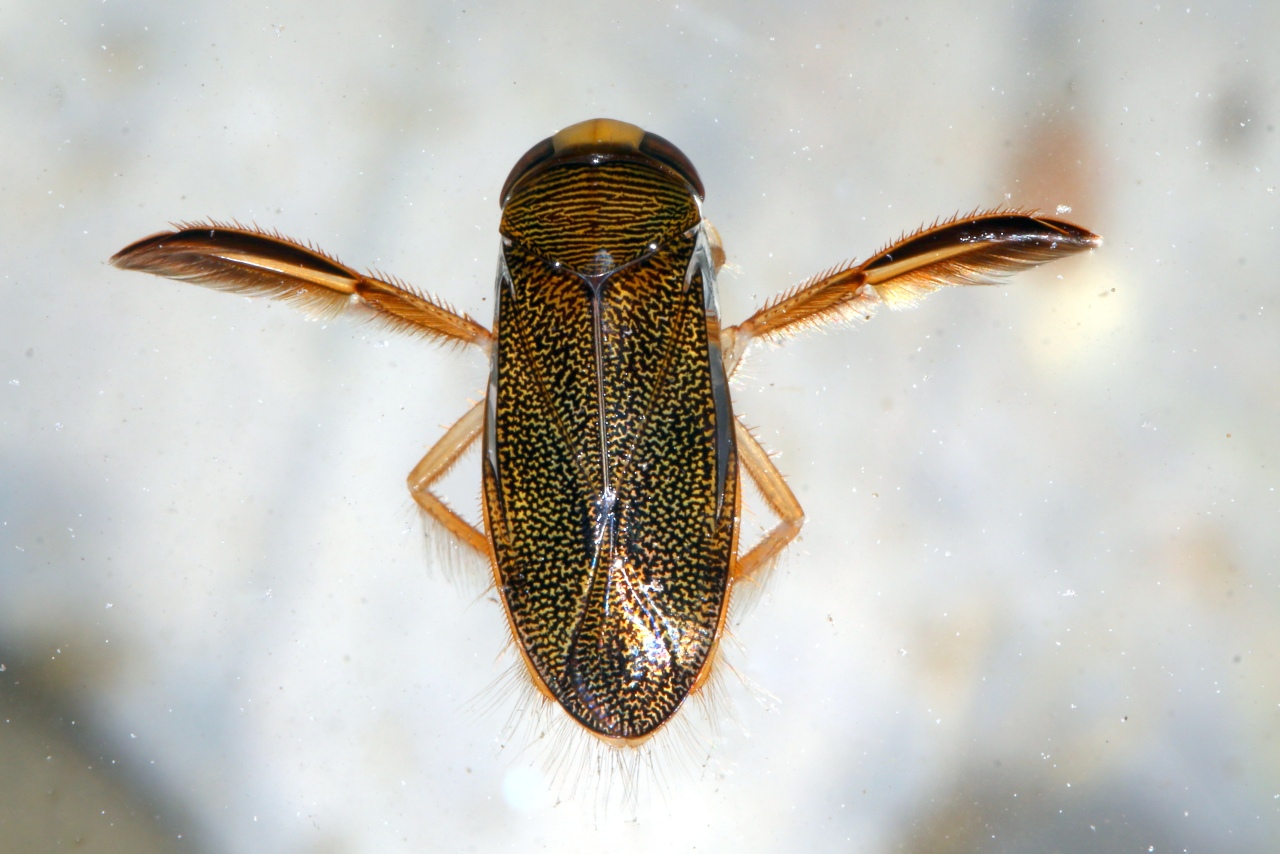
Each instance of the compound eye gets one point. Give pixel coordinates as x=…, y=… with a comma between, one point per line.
x=541, y=152
x=667, y=154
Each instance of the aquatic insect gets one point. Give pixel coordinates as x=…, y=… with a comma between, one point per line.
x=612, y=460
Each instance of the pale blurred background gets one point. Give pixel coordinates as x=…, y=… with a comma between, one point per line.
x=1036, y=604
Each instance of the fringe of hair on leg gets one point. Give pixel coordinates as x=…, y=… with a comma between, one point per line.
x=460, y=565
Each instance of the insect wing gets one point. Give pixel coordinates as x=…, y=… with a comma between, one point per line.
x=611, y=481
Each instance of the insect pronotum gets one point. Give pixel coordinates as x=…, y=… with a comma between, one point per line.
x=612, y=460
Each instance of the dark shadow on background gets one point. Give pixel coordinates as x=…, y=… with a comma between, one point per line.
x=60, y=788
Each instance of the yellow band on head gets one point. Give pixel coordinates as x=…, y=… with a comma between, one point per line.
x=596, y=132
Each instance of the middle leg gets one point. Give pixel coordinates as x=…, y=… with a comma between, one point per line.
x=777, y=495
x=435, y=465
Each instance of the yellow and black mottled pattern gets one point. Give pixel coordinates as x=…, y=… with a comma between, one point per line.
x=613, y=545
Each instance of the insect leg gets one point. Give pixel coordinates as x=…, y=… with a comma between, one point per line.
x=777, y=495
x=257, y=263
x=972, y=250
x=436, y=464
